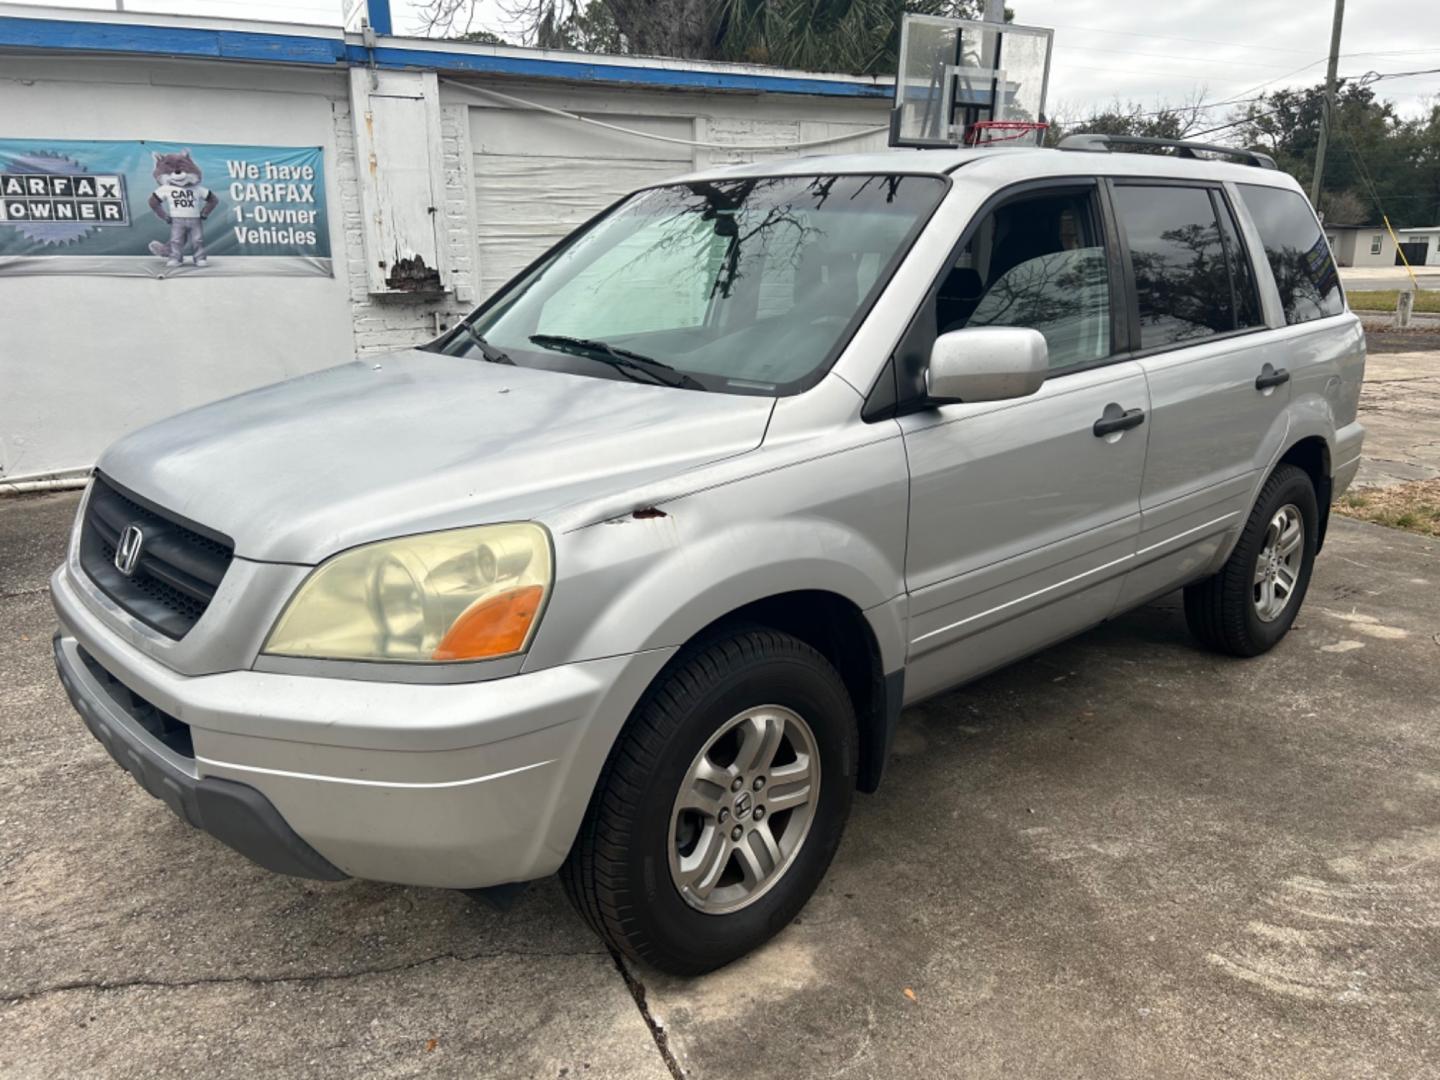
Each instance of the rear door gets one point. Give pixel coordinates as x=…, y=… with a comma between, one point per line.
x=1218, y=384
x=1023, y=515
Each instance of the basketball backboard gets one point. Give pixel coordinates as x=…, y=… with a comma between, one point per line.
x=956, y=73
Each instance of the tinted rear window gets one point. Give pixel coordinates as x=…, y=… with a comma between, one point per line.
x=1182, y=278
x=1298, y=254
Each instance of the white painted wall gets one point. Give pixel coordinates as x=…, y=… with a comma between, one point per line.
x=1352, y=246
x=85, y=359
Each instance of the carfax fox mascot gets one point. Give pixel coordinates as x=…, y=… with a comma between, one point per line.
x=183, y=203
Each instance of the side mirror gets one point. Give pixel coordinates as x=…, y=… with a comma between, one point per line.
x=987, y=363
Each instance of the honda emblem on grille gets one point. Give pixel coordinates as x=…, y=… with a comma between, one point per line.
x=127, y=551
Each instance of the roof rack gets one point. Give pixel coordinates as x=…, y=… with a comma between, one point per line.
x=1183, y=148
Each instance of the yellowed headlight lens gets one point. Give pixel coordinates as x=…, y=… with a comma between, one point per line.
x=463, y=594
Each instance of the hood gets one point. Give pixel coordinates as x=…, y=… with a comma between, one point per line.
x=416, y=441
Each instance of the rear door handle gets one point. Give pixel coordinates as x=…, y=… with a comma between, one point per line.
x=1266, y=379
x=1108, y=425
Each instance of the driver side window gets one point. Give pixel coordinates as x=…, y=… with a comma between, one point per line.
x=1037, y=262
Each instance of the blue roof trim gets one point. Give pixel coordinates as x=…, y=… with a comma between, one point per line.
x=185, y=41
x=587, y=71
x=169, y=41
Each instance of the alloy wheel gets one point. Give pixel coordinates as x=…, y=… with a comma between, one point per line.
x=1277, y=568
x=744, y=809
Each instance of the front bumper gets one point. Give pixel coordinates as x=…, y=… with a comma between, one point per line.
x=458, y=785
x=234, y=813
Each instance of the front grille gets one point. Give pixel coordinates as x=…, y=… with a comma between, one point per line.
x=169, y=731
x=179, y=568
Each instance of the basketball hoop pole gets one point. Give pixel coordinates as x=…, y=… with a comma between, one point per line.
x=994, y=12
x=990, y=57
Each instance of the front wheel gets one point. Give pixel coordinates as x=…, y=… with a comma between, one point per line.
x=1247, y=607
x=721, y=806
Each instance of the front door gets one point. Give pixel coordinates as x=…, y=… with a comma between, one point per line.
x=1024, y=514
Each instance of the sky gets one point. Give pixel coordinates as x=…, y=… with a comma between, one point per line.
x=1150, y=51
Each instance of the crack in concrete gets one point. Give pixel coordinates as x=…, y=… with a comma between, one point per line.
x=103, y=986
x=657, y=1029
x=25, y=592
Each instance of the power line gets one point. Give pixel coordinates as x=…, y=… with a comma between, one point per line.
x=1272, y=112
x=1366, y=80
x=1232, y=123
x=1172, y=37
x=1360, y=166
x=1242, y=99
x=1239, y=99
x=1173, y=56
x=1132, y=71
x=1107, y=32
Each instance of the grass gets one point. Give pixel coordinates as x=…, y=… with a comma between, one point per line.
x=1412, y=507
x=1427, y=300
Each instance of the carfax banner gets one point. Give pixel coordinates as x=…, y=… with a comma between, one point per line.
x=153, y=209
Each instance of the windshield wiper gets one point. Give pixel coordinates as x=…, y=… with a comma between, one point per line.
x=488, y=351
x=657, y=370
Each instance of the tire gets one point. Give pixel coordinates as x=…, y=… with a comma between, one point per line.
x=624, y=872
x=1225, y=611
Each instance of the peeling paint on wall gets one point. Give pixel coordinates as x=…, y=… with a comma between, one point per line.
x=410, y=274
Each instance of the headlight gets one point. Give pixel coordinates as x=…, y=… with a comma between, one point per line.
x=464, y=594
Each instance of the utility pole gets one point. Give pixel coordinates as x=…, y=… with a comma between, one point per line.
x=1329, y=112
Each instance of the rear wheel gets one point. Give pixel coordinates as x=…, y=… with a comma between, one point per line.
x=1247, y=607
x=721, y=806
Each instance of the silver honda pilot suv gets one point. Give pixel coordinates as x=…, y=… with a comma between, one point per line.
x=629, y=575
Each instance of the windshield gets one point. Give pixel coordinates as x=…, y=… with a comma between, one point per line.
x=743, y=286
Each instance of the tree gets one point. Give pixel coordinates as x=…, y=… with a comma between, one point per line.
x=1163, y=120
x=857, y=36
x=1345, y=207
x=482, y=37
x=1387, y=164
x=860, y=36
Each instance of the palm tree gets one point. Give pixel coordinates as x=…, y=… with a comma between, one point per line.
x=859, y=36
x=856, y=36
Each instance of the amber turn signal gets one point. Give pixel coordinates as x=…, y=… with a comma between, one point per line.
x=494, y=626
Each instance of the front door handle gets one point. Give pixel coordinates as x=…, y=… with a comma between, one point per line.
x=1271, y=377
x=1108, y=425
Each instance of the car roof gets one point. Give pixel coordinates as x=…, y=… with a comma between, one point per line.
x=1005, y=164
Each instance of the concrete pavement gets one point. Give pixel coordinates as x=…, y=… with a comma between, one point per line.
x=1123, y=857
x=1400, y=408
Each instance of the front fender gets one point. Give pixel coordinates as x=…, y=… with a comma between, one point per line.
x=834, y=524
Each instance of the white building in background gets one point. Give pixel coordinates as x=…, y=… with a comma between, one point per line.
x=1371, y=245
x=441, y=179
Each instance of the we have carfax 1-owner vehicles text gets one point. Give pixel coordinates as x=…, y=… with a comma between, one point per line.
x=629, y=575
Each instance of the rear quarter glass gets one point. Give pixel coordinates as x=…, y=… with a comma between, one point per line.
x=1298, y=254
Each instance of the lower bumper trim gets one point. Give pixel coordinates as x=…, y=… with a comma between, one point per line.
x=235, y=814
